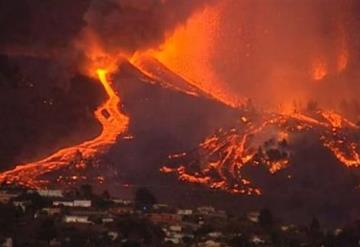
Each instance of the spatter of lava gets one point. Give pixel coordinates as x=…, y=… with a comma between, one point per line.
x=113, y=124
x=219, y=160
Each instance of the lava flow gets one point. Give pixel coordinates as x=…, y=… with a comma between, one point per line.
x=113, y=124
x=220, y=160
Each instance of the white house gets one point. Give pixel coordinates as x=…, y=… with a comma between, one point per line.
x=82, y=203
x=75, y=203
x=76, y=219
x=50, y=193
x=63, y=203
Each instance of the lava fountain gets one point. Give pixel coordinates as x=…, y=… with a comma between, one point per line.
x=113, y=122
x=188, y=52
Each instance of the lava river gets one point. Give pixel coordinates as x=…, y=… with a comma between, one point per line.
x=113, y=122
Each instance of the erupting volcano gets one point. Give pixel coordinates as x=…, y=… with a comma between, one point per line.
x=245, y=100
x=113, y=124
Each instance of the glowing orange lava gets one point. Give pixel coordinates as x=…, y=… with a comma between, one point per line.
x=221, y=158
x=113, y=124
x=188, y=52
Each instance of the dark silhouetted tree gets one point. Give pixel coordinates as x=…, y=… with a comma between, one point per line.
x=86, y=190
x=144, y=199
x=266, y=218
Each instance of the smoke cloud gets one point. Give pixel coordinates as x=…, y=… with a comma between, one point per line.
x=129, y=26
x=35, y=26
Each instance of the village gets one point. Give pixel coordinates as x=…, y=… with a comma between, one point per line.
x=79, y=217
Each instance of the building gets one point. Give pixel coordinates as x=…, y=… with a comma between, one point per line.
x=165, y=218
x=7, y=243
x=82, y=203
x=122, y=202
x=51, y=211
x=75, y=203
x=107, y=220
x=5, y=197
x=63, y=203
x=21, y=204
x=77, y=219
x=50, y=193
x=121, y=210
x=206, y=210
x=184, y=212
x=253, y=216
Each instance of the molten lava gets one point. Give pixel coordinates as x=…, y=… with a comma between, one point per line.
x=220, y=159
x=113, y=124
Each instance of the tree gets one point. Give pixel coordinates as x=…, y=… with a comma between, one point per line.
x=265, y=218
x=86, y=190
x=144, y=199
x=103, y=201
x=8, y=215
x=106, y=195
x=315, y=232
x=47, y=230
x=315, y=225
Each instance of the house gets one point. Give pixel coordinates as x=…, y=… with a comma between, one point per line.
x=257, y=240
x=82, y=203
x=113, y=235
x=107, y=220
x=215, y=234
x=5, y=197
x=160, y=206
x=75, y=203
x=51, y=211
x=50, y=193
x=173, y=240
x=173, y=235
x=184, y=212
x=175, y=228
x=253, y=216
x=7, y=243
x=21, y=204
x=122, y=201
x=121, y=210
x=210, y=243
x=205, y=210
x=77, y=219
x=63, y=203
x=165, y=218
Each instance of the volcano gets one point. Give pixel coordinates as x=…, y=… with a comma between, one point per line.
x=182, y=139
